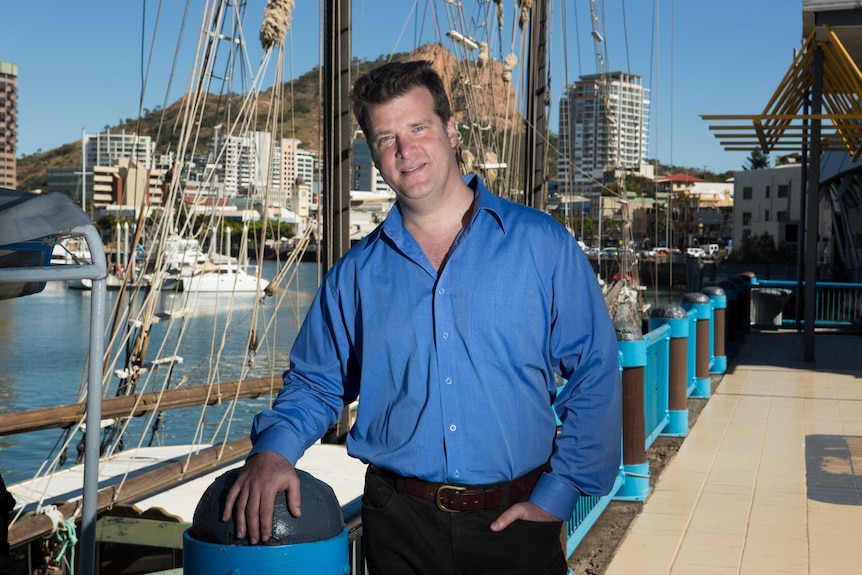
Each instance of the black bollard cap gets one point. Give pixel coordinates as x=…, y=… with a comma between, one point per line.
x=627, y=331
x=671, y=311
x=713, y=291
x=695, y=298
x=321, y=514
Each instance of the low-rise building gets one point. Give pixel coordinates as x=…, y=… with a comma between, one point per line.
x=768, y=201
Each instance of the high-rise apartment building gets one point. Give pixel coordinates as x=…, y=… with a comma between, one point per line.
x=105, y=148
x=250, y=163
x=8, y=125
x=604, y=126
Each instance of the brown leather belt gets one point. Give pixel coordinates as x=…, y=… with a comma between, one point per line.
x=454, y=498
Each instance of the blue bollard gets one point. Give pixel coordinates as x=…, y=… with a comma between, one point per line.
x=701, y=305
x=633, y=360
x=718, y=356
x=677, y=320
x=315, y=543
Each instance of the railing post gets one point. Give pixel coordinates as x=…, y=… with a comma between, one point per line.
x=700, y=304
x=718, y=357
x=633, y=361
x=676, y=319
x=731, y=294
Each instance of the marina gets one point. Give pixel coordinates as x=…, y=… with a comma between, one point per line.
x=128, y=382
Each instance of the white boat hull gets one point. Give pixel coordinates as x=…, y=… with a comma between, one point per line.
x=223, y=282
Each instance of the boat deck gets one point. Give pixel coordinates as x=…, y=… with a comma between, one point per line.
x=329, y=463
x=769, y=479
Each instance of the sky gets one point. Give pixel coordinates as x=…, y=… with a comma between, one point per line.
x=86, y=65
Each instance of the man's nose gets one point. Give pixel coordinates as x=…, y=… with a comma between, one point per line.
x=404, y=147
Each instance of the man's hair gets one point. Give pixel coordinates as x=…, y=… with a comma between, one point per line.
x=395, y=79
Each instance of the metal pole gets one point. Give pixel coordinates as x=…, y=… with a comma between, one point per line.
x=811, y=222
x=94, y=404
x=800, y=232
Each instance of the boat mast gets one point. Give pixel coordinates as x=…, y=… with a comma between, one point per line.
x=337, y=132
x=535, y=142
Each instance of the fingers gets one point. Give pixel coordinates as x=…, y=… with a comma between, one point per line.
x=252, y=519
x=294, y=497
x=229, y=502
x=508, y=517
x=524, y=510
x=260, y=517
x=250, y=501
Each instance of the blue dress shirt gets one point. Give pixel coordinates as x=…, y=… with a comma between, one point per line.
x=456, y=370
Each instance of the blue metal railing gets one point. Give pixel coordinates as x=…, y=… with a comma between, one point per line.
x=773, y=304
x=656, y=376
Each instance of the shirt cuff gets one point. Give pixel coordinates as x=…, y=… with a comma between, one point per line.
x=281, y=445
x=557, y=498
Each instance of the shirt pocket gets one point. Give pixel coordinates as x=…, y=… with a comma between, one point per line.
x=509, y=324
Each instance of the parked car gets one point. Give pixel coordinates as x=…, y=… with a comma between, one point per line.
x=695, y=252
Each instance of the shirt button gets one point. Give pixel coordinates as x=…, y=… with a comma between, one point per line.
x=441, y=291
x=445, y=335
x=448, y=381
x=452, y=427
x=457, y=473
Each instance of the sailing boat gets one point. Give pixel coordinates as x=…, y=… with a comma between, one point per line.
x=145, y=371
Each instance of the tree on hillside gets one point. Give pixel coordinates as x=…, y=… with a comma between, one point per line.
x=757, y=161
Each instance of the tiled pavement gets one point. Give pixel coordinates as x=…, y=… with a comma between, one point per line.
x=769, y=479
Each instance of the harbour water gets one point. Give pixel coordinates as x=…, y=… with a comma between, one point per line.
x=43, y=356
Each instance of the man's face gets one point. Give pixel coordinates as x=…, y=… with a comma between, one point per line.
x=411, y=146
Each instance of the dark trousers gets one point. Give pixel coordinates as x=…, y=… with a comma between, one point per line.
x=406, y=535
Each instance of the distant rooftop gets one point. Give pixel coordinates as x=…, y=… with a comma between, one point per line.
x=679, y=178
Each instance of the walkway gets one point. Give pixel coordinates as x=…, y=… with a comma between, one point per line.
x=769, y=479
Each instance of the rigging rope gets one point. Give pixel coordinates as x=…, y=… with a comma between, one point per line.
x=67, y=537
x=276, y=21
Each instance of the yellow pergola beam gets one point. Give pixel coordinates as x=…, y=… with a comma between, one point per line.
x=781, y=121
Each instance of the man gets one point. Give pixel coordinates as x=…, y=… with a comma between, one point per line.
x=449, y=321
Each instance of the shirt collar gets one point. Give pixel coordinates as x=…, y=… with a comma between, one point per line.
x=393, y=225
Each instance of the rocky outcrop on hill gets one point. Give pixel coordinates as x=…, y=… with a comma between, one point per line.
x=477, y=88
